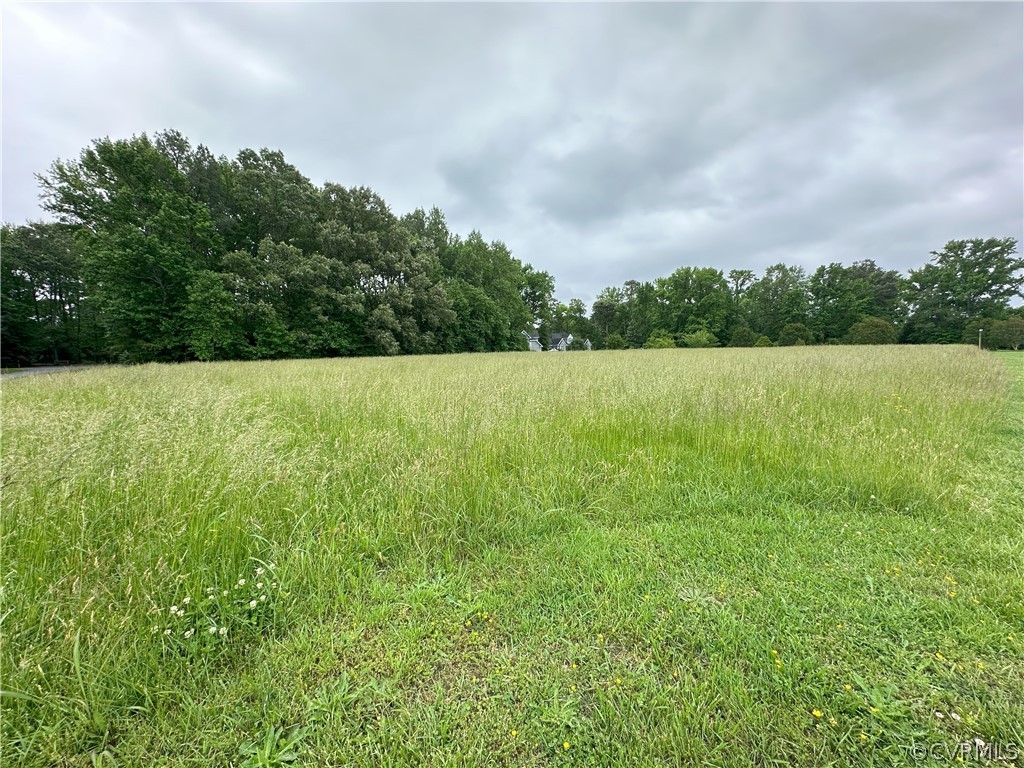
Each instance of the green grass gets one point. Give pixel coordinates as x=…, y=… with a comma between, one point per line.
x=620, y=558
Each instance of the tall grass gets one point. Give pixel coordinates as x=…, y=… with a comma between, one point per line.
x=640, y=557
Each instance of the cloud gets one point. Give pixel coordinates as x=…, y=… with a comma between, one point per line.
x=600, y=142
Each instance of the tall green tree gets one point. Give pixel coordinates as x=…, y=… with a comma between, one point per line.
x=967, y=280
x=142, y=238
x=692, y=299
x=778, y=298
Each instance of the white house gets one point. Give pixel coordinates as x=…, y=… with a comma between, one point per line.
x=533, y=342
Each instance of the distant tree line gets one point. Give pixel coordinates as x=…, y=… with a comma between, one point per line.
x=967, y=286
x=163, y=252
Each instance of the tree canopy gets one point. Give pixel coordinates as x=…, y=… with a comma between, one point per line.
x=161, y=251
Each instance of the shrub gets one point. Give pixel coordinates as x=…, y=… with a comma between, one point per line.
x=742, y=336
x=614, y=341
x=792, y=332
x=700, y=339
x=660, y=340
x=763, y=341
x=1007, y=334
x=871, y=330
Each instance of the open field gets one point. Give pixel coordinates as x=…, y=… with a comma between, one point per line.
x=727, y=557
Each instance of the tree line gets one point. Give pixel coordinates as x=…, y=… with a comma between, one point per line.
x=965, y=287
x=161, y=251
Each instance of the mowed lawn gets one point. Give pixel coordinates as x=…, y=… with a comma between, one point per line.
x=800, y=556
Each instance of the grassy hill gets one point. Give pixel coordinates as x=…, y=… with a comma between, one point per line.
x=804, y=556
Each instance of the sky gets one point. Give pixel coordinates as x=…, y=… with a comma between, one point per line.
x=600, y=142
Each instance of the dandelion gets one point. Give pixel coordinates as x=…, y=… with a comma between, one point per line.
x=872, y=710
x=847, y=687
x=939, y=656
x=600, y=637
x=514, y=734
x=863, y=737
x=647, y=597
x=618, y=681
x=469, y=622
x=816, y=712
x=565, y=745
x=774, y=652
x=572, y=687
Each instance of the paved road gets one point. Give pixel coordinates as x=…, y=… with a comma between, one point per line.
x=40, y=369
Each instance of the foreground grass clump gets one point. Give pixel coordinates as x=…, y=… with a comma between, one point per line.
x=806, y=556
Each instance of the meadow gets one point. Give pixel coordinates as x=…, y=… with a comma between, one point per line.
x=793, y=556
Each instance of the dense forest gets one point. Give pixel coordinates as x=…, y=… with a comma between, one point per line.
x=161, y=251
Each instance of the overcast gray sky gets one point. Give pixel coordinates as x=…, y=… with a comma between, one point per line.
x=600, y=142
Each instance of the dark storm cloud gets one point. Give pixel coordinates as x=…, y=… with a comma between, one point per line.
x=601, y=142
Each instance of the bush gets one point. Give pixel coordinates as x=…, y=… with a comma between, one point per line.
x=793, y=332
x=614, y=341
x=1007, y=334
x=763, y=341
x=871, y=330
x=660, y=340
x=742, y=336
x=700, y=339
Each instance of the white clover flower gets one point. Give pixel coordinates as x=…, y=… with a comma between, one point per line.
x=272, y=566
x=223, y=630
x=181, y=612
x=155, y=629
x=167, y=631
x=225, y=593
x=274, y=585
x=955, y=716
x=174, y=609
x=252, y=603
x=211, y=597
x=241, y=582
x=186, y=601
x=189, y=632
x=259, y=571
x=212, y=630
x=263, y=598
x=259, y=585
